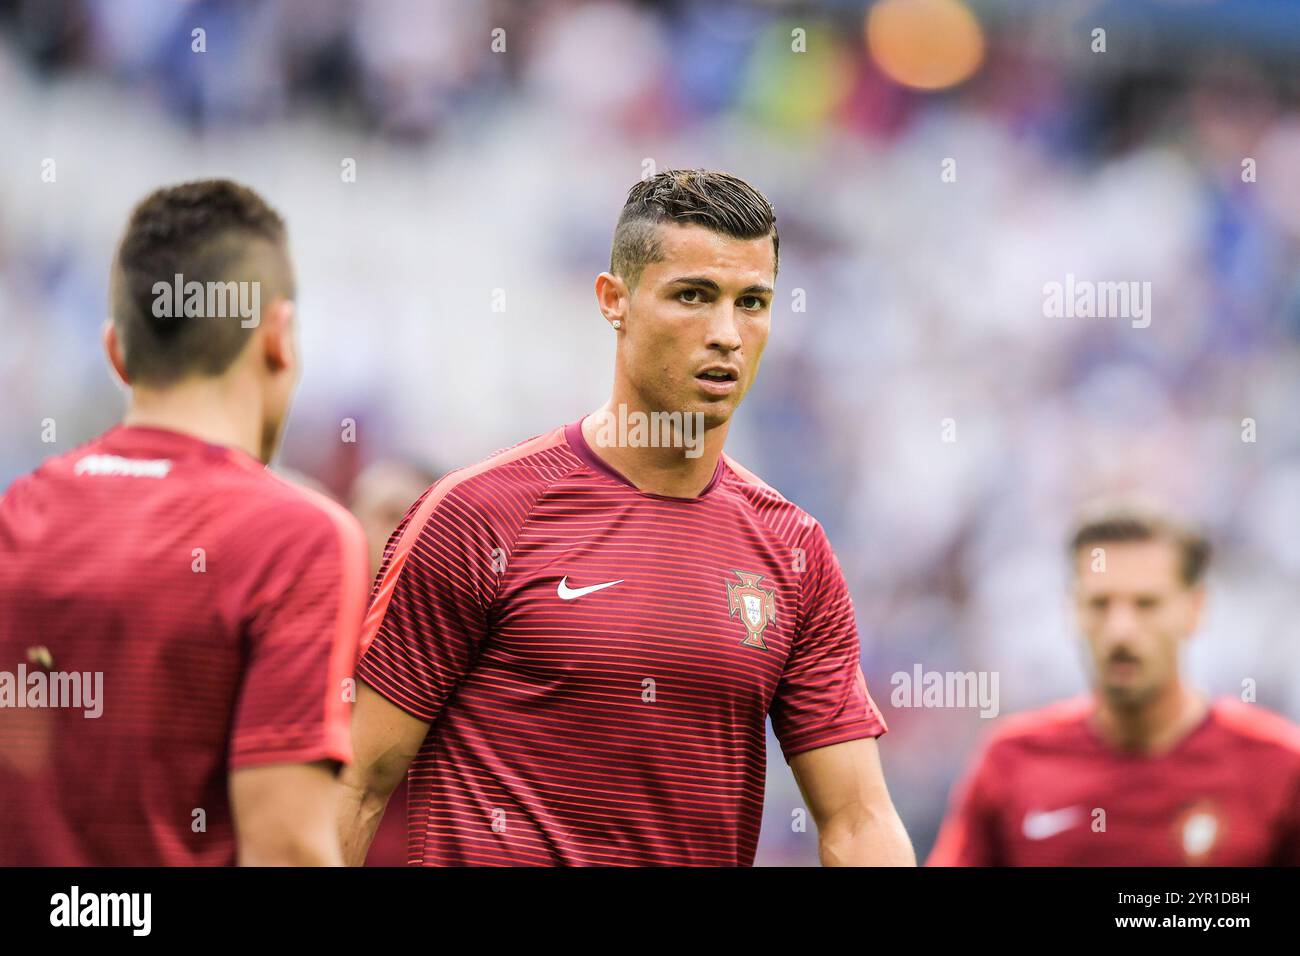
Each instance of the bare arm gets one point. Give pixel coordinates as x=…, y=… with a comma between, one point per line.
x=385, y=739
x=284, y=814
x=857, y=824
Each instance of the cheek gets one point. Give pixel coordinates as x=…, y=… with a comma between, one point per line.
x=651, y=351
x=1089, y=620
x=1173, y=634
x=754, y=341
x=659, y=344
x=648, y=355
x=1161, y=646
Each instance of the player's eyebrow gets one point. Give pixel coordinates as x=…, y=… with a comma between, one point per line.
x=704, y=283
x=700, y=281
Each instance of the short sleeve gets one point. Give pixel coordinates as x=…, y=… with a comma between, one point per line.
x=429, y=609
x=302, y=635
x=969, y=834
x=822, y=697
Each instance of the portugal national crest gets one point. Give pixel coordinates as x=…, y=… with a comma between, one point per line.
x=1198, y=828
x=757, y=606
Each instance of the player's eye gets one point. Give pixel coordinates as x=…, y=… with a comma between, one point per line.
x=752, y=303
x=691, y=296
x=1146, y=603
x=1099, y=603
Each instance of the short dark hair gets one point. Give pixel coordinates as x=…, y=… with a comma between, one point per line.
x=212, y=230
x=716, y=200
x=1131, y=521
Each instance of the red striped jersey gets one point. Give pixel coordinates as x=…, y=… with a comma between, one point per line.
x=219, y=610
x=1048, y=791
x=597, y=663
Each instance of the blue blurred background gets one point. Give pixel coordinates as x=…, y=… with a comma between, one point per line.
x=493, y=144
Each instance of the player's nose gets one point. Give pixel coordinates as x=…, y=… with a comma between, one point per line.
x=723, y=330
x=1120, y=622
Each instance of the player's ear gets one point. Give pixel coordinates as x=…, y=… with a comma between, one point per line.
x=277, y=336
x=113, y=349
x=612, y=296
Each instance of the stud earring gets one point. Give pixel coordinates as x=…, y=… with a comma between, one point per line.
x=617, y=323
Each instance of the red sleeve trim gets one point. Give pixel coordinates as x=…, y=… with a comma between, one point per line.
x=346, y=641
x=377, y=681
x=857, y=729
x=337, y=750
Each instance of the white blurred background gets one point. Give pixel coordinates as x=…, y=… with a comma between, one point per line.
x=482, y=174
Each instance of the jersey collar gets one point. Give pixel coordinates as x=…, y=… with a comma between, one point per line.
x=573, y=435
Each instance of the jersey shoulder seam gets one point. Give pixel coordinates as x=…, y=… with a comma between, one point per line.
x=457, y=480
x=747, y=478
x=1258, y=724
x=1028, y=724
x=346, y=526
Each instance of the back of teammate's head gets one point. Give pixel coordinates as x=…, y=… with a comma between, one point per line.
x=201, y=293
x=715, y=200
x=210, y=233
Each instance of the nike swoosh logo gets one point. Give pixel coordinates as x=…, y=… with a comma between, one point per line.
x=567, y=593
x=1040, y=826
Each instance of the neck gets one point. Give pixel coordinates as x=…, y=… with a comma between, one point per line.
x=1154, y=727
x=657, y=470
x=216, y=410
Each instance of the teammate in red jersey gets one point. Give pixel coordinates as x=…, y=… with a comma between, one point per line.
x=574, y=645
x=176, y=623
x=1145, y=771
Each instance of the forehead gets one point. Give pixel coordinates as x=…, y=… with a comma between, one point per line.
x=1130, y=565
x=697, y=251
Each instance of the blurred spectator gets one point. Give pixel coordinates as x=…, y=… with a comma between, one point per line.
x=380, y=497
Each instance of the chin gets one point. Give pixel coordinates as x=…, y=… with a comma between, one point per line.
x=714, y=418
x=716, y=412
x=1126, y=696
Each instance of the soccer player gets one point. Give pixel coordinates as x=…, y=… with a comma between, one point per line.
x=177, y=624
x=1144, y=771
x=574, y=644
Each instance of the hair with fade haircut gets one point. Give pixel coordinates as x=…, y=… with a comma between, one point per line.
x=212, y=230
x=1125, y=521
x=715, y=200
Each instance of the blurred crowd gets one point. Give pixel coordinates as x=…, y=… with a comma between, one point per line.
x=915, y=396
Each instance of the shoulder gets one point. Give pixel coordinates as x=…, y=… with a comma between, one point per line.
x=781, y=515
x=80, y=458
x=274, y=514
x=502, y=486
x=1056, y=725
x=1259, y=727
x=15, y=488
x=308, y=508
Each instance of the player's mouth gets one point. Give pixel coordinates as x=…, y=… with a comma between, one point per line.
x=718, y=379
x=1123, y=668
